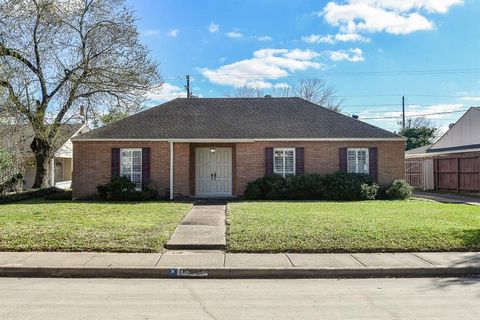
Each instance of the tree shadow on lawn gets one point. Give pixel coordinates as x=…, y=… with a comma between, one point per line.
x=37, y=201
x=471, y=240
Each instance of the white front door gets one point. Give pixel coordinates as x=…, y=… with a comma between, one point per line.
x=213, y=172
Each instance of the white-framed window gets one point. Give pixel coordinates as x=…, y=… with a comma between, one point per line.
x=357, y=160
x=131, y=165
x=284, y=161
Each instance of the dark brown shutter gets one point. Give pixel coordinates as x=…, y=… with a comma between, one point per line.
x=145, y=166
x=300, y=161
x=373, y=163
x=115, y=162
x=268, y=161
x=342, y=154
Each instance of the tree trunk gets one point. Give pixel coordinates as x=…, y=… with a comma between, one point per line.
x=42, y=151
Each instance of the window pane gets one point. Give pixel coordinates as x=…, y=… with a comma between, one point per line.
x=289, y=162
x=352, y=161
x=278, y=162
x=362, y=161
x=131, y=165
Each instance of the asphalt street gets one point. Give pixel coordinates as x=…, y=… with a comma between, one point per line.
x=438, y=298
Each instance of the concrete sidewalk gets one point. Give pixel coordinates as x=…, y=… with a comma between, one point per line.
x=203, y=228
x=447, y=198
x=218, y=264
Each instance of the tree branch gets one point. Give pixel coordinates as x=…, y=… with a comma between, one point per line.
x=14, y=54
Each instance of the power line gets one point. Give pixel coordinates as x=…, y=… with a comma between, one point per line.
x=414, y=115
x=342, y=74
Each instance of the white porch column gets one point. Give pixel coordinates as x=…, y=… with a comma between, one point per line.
x=52, y=172
x=171, y=170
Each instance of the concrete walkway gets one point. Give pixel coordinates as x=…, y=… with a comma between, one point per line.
x=203, y=228
x=218, y=264
x=447, y=198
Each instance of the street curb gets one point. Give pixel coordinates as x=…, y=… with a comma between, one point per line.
x=236, y=273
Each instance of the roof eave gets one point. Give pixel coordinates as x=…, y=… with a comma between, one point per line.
x=213, y=140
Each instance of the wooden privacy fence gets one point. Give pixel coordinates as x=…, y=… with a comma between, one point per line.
x=457, y=174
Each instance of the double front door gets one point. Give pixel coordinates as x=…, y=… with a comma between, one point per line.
x=213, y=171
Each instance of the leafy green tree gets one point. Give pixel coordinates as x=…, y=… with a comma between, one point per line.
x=419, y=132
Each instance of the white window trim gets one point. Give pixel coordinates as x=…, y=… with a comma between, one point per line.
x=283, y=174
x=367, y=159
x=141, y=164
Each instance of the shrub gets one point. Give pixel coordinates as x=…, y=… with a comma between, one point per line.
x=253, y=192
x=308, y=187
x=28, y=194
x=267, y=188
x=348, y=186
x=12, y=184
x=337, y=186
x=61, y=195
x=368, y=192
x=399, y=190
x=122, y=189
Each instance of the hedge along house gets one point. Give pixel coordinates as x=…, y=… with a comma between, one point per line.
x=212, y=147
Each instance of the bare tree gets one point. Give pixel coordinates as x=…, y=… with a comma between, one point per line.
x=245, y=92
x=59, y=55
x=312, y=89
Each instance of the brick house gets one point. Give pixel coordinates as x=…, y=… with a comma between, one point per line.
x=212, y=147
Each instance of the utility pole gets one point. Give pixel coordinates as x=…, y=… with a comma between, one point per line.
x=187, y=87
x=403, y=112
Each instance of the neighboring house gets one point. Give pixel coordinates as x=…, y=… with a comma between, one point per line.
x=213, y=147
x=17, y=139
x=452, y=162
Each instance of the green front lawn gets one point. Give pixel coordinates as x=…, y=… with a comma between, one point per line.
x=88, y=226
x=352, y=226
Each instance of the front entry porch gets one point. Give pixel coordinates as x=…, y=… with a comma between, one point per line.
x=203, y=170
x=213, y=172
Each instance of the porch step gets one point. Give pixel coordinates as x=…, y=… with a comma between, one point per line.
x=203, y=228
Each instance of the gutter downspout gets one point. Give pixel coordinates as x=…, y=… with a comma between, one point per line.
x=171, y=170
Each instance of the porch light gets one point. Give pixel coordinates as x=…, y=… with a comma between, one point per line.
x=212, y=150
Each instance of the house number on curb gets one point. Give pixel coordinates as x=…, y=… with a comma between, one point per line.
x=187, y=273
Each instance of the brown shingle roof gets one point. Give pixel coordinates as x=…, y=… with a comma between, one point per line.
x=237, y=118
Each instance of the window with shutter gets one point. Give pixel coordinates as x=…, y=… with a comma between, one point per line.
x=131, y=165
x=284, y=161
x=357, y=160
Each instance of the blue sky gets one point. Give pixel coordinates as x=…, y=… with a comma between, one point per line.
x=363, y=48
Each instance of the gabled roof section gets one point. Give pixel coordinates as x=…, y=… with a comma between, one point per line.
x=22, y=136
x=465, y=132
x=419, y=150
x=236, y=119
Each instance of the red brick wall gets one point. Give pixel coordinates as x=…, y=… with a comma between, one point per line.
x=92, y=162
x=321, y=157
x=181, y=169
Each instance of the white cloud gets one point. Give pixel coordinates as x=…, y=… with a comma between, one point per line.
x=151, y=32
x=346, y=37
x=234, y=34
x=470, y=98
x=213, y=27
x=265, y=65
x=173, y=33
x=391, y=16
x=165, y=93
x=318, y=38
x=332, y=39
x=263, y=38
x=352, y=55
x=431, y=6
